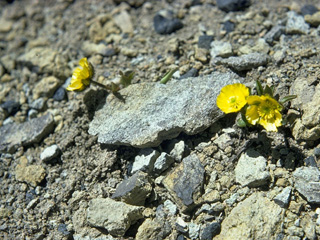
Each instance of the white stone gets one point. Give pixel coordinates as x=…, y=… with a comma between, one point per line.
x=50, y=153
x=251, y=169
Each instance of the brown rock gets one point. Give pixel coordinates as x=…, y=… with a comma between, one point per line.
x=32, y=174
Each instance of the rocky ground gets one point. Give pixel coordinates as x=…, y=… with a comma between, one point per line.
x=157, y=161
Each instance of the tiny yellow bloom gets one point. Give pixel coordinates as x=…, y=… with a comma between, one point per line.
x=81, y=77
x=265, y=111
x=232, y=97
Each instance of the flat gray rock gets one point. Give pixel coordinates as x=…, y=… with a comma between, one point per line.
x=254, y=218
x=23, y=134
x=245, y=62
x=153, y=112
x=306, y=181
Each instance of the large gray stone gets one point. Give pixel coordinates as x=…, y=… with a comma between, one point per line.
x=185, y=182
x=245, y=62
x=115, y=217
x=15, y=135
x=307, y=182
x=152, y=112
x=251, y=169
x=255, y=218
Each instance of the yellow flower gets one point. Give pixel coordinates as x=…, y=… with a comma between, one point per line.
x=232, y=97
x=265, y=111
x=81, y=77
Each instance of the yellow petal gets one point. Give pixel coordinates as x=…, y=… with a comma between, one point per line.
x=252, y=115
x=254, y=100
x=75, y=86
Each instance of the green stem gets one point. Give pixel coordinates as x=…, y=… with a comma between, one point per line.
x=168, y=76
x=101, y=85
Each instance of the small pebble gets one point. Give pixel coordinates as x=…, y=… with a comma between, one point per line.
x=232, y=5
x=204, y=41
x=164, y=25
x=11, y=107
x=60, y=94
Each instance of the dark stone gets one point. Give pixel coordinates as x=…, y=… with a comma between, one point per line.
x=110, y=52
x=30, y=195
x=164, y=25
x=308, y=9
x=228, y=26
x=310, y=161
x=191, y=73
x=204, y=41
x=134, y=190
x=196, y=3
x=181, y=237
x=185, y=182
x=63, y=229
x=210, y=230
x=233, y=5
x=274, y=34
x=11, y=107
x=60, y=94
x=24, y=134
x=316, y=152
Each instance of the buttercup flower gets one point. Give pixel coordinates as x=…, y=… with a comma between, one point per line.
x=265, y=111
x=232, y=97
x=81, y=77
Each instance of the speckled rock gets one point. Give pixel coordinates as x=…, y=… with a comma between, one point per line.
x=255, y=218
x=306, y=181
x=153, y=112
x=251, y=169
x=306, y=127
x=296, y=24
x=115, y=217
x=13, y=135
x=185, y=182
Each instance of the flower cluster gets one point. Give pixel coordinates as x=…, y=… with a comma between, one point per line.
x=261, y=109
